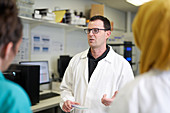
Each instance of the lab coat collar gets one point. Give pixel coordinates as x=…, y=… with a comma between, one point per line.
x=84, y=55
x=109, y=57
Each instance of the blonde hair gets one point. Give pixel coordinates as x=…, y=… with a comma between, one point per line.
x=151, y=28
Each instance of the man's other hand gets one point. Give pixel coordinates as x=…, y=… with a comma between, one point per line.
x=108, y=101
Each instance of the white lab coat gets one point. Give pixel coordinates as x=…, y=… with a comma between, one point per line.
x=111, y=73
x=149, y=93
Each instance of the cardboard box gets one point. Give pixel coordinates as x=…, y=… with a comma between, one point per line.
x=97, y=9
x=111, y=23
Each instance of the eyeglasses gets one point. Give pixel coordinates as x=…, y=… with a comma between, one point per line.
x=94, y=30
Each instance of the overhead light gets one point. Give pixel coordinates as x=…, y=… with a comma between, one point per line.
x=137, y=2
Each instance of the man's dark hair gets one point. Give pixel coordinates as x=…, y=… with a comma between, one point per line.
x=10, y=24
x=105, y=21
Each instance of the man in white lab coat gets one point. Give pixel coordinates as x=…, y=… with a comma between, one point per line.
x=94, y=76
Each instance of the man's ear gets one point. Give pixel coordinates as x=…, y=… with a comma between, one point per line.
x=8, y=49
x=108, y=33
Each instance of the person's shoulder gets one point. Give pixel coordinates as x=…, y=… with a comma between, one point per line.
x=13, y=90
x=144, y=85
x=14, y=96
x=153, y=79
x=8, y=85
x=139, y=82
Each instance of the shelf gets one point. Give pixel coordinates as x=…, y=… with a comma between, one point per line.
x=36, y=22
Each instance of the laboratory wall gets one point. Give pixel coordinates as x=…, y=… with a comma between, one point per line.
x=65, y=41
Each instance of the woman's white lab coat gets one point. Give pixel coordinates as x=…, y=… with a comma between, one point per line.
x=111, y=73
x=148, y=93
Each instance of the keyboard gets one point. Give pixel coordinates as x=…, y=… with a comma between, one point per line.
x=48, y=95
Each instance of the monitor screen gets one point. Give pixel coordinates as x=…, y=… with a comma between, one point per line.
x=44, y=72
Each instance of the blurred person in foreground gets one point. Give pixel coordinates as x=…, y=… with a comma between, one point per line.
x=149, y=92
x=94, y=76
x=13, y=99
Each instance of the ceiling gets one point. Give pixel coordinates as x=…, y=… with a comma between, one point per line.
x=119, y=4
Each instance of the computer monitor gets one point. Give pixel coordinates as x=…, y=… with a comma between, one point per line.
x=44, y=70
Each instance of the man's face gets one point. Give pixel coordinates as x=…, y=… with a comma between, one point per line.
x=97, y=40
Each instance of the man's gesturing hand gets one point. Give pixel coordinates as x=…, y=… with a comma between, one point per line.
x=108, y=101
